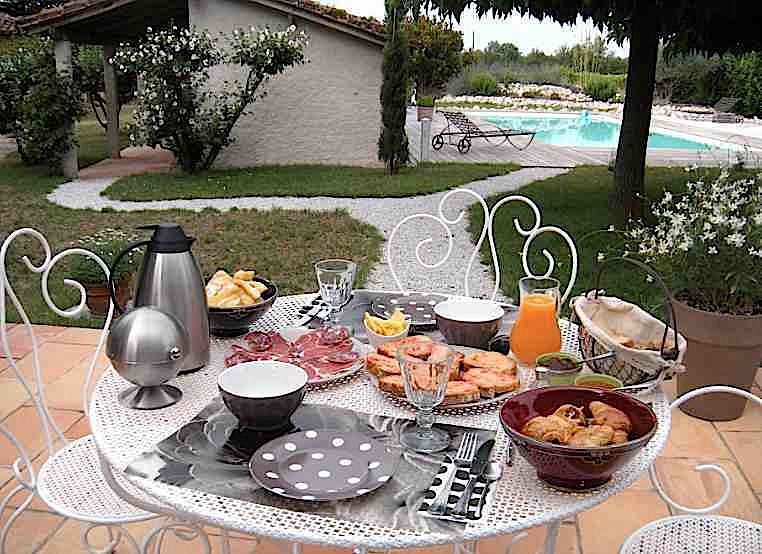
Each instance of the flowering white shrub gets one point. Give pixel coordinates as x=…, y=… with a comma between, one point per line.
x=707, y=242
x=177, y=108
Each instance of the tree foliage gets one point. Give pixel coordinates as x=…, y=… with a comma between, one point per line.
x=177, y=108
x=393, y=148
x=435, y=57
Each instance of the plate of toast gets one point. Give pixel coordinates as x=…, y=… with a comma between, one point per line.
x=477, y=377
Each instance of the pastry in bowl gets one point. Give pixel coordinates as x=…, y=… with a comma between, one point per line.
x=577, y=437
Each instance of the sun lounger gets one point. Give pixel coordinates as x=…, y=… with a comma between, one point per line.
x=722, y=110
x=458, y=125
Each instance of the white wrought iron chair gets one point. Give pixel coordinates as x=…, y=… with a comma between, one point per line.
x=695, y=532
x=72, y=481
x=446, y=223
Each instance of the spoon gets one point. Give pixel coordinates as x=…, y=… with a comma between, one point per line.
x=493, y=473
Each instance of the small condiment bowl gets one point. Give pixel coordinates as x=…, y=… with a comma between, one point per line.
x=598, y=381
x=469, y=321
x=263, y=395
x=555, y=376
x=377, y=340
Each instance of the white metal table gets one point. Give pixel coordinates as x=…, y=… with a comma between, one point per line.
x=521, y=500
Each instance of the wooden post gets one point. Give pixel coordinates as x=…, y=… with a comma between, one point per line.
x=64, y=65
x=112, y=101
x=425, y=139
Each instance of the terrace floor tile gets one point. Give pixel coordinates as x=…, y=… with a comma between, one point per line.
x=31, y=530
x=695, y=489
x=604, y=528
x=746, y=447
x=55, y=360
x=693, y=438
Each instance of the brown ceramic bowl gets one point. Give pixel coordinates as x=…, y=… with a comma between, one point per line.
x=567, y=467
x=233, y=322
x=263, y=395
x=469, y=321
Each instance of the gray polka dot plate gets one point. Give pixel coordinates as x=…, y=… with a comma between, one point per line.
x=323, y=465
x=419, y=306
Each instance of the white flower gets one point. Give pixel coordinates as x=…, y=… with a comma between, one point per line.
x=649, y=279
x=601, y=256
x=611, y=228
x=736, y=239
x=712, y=250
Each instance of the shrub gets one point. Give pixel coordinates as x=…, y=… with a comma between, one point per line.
x=481, y=83
x=106, y=244
x=601, y=88
x=46, y=119
x=426, y=101
x=178, y=109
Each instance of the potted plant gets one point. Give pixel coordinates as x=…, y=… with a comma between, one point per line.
x=425, y=107
x=106, y=244
x=707, y=243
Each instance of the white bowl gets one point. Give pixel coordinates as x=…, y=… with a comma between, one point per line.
x=377, y=340
x=263, y=395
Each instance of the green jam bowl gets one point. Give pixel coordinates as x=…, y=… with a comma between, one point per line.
x=598, y=381
x=559, y=376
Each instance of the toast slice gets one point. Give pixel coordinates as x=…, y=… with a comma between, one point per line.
x=381, y=366
x=422, y=344
x=460, y=392
x=440, y=352
x=494, y=361
x=393, y=384
x=491, y=382
x=457, y=392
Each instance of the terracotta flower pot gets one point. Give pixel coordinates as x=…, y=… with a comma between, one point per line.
x=722, y=350
x=425, y=113
x=98, y=296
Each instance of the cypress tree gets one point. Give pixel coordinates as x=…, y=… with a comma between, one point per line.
x=393, y=143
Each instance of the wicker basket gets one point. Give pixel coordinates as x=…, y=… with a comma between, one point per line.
x=630, y=365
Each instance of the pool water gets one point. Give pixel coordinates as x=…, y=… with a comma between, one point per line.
x=585, y=131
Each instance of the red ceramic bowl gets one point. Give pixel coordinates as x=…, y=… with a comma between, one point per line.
x=567, y=467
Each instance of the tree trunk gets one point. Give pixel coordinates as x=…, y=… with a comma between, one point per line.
x=628, y=197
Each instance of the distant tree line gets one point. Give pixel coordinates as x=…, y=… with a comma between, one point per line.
x=703, y=80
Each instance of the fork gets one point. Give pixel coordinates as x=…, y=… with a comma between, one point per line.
x=463, y=457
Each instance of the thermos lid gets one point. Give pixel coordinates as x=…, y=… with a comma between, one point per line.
x=168, y=238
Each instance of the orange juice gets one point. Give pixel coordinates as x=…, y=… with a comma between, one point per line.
x=536, y=330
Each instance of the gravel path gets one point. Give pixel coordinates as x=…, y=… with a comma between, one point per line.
x=382, y=213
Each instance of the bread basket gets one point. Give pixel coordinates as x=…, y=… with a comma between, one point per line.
x=603, y=321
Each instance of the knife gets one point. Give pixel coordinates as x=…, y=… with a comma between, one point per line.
x=477, y=470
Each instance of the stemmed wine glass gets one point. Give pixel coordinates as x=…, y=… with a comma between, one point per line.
x=336, y=280
x=425, y=383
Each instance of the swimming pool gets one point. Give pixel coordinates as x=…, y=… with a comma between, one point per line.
x=585, y=131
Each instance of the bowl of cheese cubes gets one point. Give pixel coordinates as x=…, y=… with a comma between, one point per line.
x=237, y=301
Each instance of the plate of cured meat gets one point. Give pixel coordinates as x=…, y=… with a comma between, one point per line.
x=477, y=378
x=327, y=354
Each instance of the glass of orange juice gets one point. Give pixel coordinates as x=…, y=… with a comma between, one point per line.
x=536, y=330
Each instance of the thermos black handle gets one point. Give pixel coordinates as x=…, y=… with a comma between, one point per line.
x=112, y=272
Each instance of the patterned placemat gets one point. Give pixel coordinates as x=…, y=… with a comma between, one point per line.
x=211, y=454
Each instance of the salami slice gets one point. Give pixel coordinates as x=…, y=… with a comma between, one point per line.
x=333, y=335
x=259, y=341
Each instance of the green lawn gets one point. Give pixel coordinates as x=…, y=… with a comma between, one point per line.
x=577, y=202
x=236, y=239
x=304, y=180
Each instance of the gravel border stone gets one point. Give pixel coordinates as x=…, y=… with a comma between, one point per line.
x=382, y=213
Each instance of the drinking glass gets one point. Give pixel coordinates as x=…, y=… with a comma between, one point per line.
x=425, y=383
x=336, y=279
x=536, y=331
